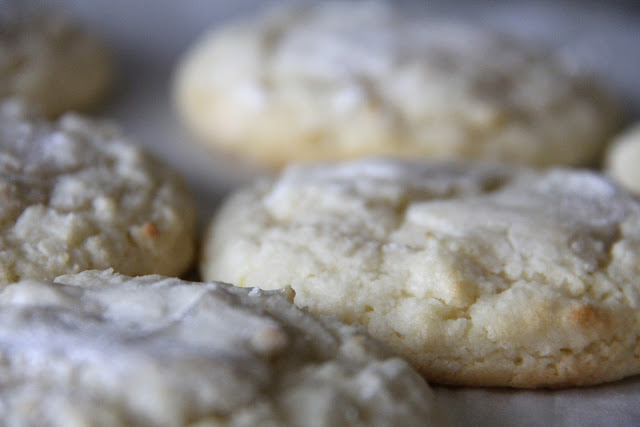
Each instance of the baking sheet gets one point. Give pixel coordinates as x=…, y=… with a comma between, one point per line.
x=147, y=38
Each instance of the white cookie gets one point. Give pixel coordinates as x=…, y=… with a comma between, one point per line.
x=622, y=160
x=75, y=194
x=99, y=348
x=343, y=80
x=477, y=275
x=49, y=61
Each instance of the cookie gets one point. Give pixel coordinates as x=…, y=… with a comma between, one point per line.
x=51, y=62
x=478, y=275
x=76, y=194
x=622, y=160
x=99, y=348
x=344, y=80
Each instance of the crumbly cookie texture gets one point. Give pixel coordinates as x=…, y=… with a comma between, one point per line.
x=622, y=160
x=343, y=80
x=49, y=61
x=75, y=194
x=477, y=275
x=107, y=349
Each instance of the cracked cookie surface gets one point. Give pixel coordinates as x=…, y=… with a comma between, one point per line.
x=75, y=194
x=478, y=275
x=99, y=348
x=343, y=80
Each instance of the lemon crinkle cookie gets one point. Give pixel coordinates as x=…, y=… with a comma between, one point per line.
x=479, y=275
x=46, y=59
x=76, y=194
x=98, y=348
x=343, y=80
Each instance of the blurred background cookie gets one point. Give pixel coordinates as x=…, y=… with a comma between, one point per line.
x=480, y=276
x=98, y=348
x=622, y=159
x=342, y=80
x=76, y=194
x=47, y=59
